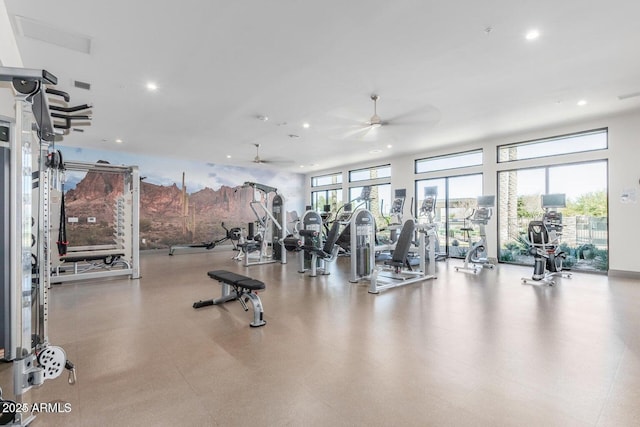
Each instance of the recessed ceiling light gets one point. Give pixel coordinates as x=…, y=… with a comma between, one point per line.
x=228, y=156
x=389, y=146
x=582, y=103
x=306, y=125
x=532, y=34
x=301, y=166
x=151, y=86
x=375, y=151
x=118, y=141
x=262, y=118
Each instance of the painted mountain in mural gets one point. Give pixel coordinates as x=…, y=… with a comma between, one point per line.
x=168, y=215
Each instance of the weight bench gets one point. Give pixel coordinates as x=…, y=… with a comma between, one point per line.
x=240, y=288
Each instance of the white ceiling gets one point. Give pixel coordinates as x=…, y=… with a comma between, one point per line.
x=440, y=73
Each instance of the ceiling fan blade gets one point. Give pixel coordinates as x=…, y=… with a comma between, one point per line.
x=358, y=132
x=371, y=133
x=277, y=162
x=427, y=115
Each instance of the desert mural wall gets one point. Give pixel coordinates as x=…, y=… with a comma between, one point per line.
x=181, y=201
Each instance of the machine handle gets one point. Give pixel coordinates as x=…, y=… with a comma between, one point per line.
x=72, y=372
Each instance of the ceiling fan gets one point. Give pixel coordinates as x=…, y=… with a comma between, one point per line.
x=260, y=160
x=368, y=129
x=257, y=158
x=423, y=116
x=375, y=121
x=370, y=126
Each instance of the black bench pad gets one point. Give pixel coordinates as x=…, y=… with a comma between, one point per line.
x=236, y=279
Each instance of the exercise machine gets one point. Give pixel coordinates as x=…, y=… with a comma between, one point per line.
x=118, y=255
x=309, y=236
x=394, y=224
x=361, y=202
x=25, y=254
x=264, y=243
x=544, y=242
x=362, y=237
x=315, y=250
x=314, y=242
x=398, y=271
x=476, y=258
x=233, y=235
x=426, y=220
x=310, y=240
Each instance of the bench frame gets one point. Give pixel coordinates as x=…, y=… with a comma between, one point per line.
x=240, y=288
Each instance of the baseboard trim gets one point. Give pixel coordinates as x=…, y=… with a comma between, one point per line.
x=625, y=274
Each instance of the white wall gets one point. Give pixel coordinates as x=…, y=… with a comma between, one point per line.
x=624, y=173
x=9, y=57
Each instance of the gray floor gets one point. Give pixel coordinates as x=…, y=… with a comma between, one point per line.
x=460, y=350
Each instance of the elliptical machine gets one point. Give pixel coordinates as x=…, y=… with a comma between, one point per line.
x=477, y=255
x=544, y=242
x=427, y=220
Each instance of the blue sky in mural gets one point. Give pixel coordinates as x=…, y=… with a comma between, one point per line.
x=198, y=175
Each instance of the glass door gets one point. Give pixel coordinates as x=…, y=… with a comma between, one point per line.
x=455, y=202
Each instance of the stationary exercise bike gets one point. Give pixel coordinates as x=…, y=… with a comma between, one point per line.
x=476, y=258
x=544, y=242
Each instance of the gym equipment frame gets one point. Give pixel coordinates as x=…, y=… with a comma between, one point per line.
x=236, y=287
x=310, y=241
x=544, y=242
x=394, y=273
x=121, y=258
x=481, y=215
x=272, y=230
x=362, y=246
x=25, y=256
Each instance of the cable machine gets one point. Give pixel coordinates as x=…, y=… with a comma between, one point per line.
x=25, y=257
x=266, y=244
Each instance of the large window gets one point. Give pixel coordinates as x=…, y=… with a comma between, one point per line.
x=565, y=144
x=455, y=202
x=366, y=174
x=331, y=193
x=379, y=203
x=451, y=161
x=321, y=198
x=584, y=219
x=330, y=179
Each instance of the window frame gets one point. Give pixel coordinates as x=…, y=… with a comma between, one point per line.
x=337, y=174
x=604, y=130
x=452, y=155
x=371, y=168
